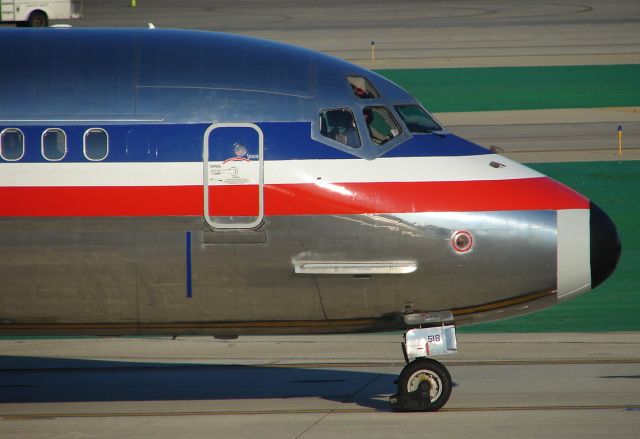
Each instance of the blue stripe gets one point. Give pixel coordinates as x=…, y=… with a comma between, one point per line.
x=183, y=143
x=431, y=145
x=187, y=239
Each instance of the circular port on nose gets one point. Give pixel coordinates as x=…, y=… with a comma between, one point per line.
x=462, y=241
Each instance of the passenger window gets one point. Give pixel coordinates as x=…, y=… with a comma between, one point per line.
x=417, y=120
x=54, y=144
x=11, y=144
x=362, y=87
x=96, y=144
x=340, y=125
x=381, y=124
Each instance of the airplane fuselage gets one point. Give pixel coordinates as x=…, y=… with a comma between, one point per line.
x=176, y=182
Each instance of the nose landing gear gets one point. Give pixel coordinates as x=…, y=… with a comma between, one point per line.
x=425, y=384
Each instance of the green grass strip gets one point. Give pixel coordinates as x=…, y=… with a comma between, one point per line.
x=521, y=88
x=614, y=305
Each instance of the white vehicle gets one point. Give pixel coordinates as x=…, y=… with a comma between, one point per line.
x=38, y=13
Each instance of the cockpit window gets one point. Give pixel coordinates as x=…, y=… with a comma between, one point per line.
x=381, y=124
x=362, y=88
x=417, y=120
x=340, y=125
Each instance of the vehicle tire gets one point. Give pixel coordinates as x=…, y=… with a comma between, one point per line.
x=432, y=371
x=38, y=19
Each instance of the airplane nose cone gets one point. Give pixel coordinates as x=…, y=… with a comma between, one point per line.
x=605, y=245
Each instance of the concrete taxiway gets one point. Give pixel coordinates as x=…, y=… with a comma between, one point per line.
x=508, y=385
x=569, y=135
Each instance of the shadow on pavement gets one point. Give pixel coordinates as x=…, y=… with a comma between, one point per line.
x=35, y=379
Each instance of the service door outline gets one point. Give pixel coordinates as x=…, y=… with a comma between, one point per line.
x=235, y=170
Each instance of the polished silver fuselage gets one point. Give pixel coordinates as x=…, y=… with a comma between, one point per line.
x=127, y=275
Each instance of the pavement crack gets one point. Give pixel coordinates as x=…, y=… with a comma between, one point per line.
x=334, y=409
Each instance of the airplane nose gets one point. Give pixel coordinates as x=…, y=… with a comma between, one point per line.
x=605, y=245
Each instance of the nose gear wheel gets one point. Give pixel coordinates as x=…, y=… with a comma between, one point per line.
x=424, y=385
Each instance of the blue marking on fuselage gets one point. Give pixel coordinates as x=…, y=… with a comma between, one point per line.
x=142, y=142
x=187, y=239
x=432, y=145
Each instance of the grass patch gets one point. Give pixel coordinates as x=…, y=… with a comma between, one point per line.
x=521, y=88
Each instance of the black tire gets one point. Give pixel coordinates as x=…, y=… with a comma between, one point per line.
x=426, y=369
x=38, y=19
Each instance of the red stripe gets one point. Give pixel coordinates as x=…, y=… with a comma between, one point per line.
x=293, y=199
x=469, y=196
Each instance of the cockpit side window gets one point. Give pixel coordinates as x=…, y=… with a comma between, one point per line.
x=417, y=120
x=340, y=125
x=381, y=124
x=362, y=87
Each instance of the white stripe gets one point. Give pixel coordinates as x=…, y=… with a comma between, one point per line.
x=574, y=258
x=409, y=169
x=405, y=169
x=100, y=174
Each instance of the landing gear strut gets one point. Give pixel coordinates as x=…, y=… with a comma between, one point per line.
x=424, y=384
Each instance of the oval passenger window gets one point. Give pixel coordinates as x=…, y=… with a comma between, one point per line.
x=96, y=144
x=11, y=144
x=54, y=144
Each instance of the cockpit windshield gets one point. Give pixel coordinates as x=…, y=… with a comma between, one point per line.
x=340, y=125
x=417, y=120
x=381, y=124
